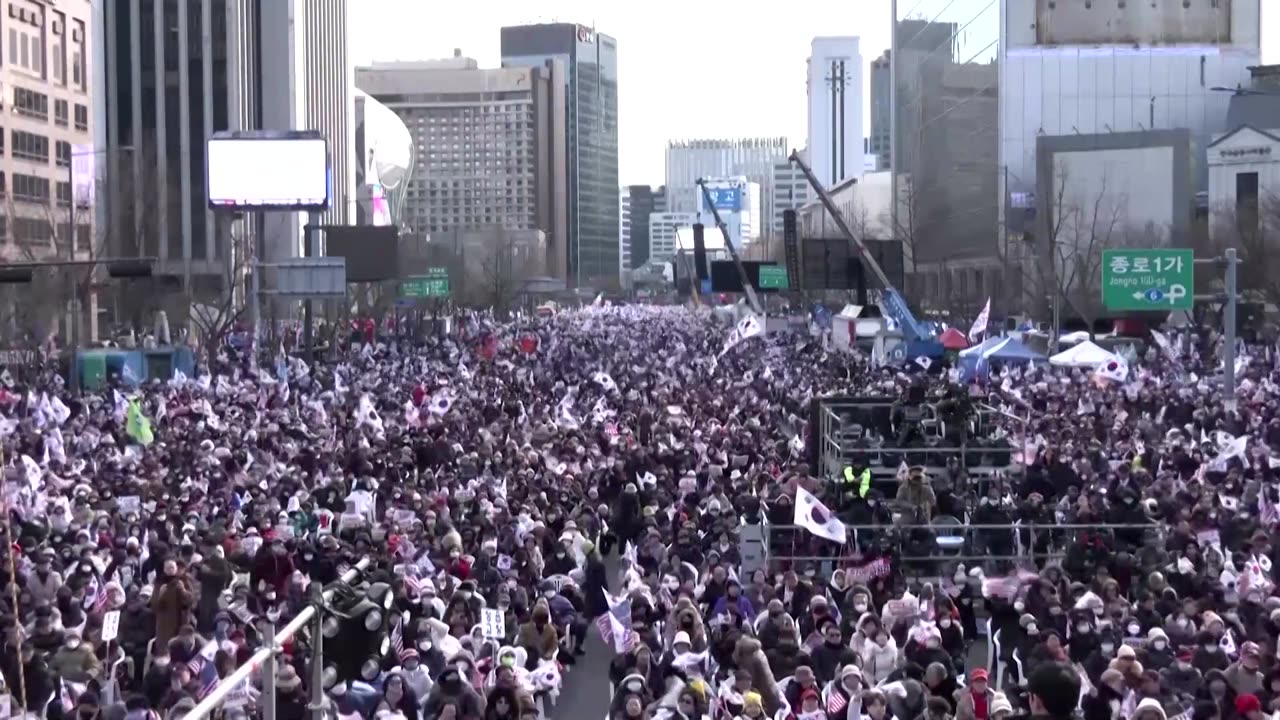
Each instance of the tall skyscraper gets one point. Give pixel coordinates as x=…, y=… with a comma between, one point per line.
x=591, y=80
x=881, y=98
x=641, y=201
x=835, y=109
x=489, y=145
x=176, y=71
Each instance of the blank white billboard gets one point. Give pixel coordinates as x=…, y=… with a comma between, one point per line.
x=282, y=172
x=712, y=238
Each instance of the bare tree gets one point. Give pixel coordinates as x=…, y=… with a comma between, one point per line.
x=30, y=311
x=1251, y=230
x=504, y=262
x=213, y=321
x=1080, y=229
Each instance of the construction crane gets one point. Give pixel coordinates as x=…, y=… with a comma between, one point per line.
x=892, y=303
x=752, y=298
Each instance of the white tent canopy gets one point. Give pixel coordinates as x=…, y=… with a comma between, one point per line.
x=1084, y=355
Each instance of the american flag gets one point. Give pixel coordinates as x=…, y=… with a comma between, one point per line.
x=836, y=702
x=619, y=614
x=203, y=669
x=96, y=600
x=397, y=636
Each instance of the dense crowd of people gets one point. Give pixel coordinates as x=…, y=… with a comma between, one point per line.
x=598, y=472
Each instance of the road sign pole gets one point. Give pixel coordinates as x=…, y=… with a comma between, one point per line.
x=255, y=305
x=308, y=237
x=1229, y=319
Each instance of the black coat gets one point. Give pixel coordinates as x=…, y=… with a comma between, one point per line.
x=595, y=587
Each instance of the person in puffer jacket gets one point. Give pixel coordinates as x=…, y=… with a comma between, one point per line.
x=879, y=657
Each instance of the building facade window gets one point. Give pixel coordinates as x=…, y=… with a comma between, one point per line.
x=32, y=104
x=29, y=146
x=30, y=188
x=61, y=113
x=82, y=117
x=62, y=153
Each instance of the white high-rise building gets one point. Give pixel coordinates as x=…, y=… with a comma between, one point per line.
x=835, y=109
x=663, y=227
x=1068, y=69
x=791, y=191
x=624, y=230
x=689, y=160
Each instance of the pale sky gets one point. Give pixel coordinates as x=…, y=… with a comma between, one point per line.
x=687, y=69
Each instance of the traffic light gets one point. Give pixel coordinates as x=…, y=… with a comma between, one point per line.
x=129, y=269
x=15, y=275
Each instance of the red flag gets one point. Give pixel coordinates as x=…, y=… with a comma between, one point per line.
x=528, y=344
x=488, y=348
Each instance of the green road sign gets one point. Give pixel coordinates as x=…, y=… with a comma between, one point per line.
x=1148, y=279
x=435, y=283
x=773, y=277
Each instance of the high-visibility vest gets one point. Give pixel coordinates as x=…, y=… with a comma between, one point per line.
x=864, y=480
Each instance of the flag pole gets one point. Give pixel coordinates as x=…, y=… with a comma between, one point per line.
x=13, y=589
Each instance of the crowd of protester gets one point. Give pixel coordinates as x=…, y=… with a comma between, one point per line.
x=596, y=473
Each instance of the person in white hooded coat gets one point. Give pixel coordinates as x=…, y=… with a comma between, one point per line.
x=879, y=656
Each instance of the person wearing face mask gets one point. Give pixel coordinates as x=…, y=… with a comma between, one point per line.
x=879, y=654
x=832, y=654
x=1208, y=655
x=503, y=703
x=158, y=677
x=733, y=596
x=1181, y=676
x=452, y=688
x=75, y=661
x=538, y=636
x=43, y=584
x=1157, y=655
x=561, y=562
x=1245, y=675
x=926, y=649
x=274, y=568
x=172, y=601
x=46, y=636
x=1082, y=640
x=397, y=696
x=215, y=574
x=33, y=676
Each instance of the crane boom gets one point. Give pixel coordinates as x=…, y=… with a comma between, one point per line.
x=892, y=302
x=752, y=299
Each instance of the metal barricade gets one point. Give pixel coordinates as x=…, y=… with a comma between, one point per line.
x=840, y=442
x=952, y=542
x=266, y=659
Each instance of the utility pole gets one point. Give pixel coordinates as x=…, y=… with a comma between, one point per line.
x=893, y=118
x=1229, y=319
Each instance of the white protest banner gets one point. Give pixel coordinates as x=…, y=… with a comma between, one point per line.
x=492, y=624
x=110, y=626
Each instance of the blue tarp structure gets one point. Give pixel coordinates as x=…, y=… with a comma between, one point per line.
x=976, y=361
x=1004, y=349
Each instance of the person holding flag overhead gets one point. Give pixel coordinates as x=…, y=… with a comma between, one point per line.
x=137, y=425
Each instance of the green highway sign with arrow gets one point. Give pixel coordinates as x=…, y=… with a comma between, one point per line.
x=1148, y=279
x=435, y=283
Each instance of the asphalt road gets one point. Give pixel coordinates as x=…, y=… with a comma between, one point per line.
x=585, y=694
